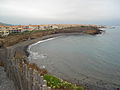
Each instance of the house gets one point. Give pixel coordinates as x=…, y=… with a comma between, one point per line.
x=35, y=27
x=54, y=27
x=14, y=29
x=27, y=28
x=4, y=31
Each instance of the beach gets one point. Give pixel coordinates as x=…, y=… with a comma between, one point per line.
x=22, y=48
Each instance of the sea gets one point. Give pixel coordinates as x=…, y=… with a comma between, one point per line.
x=89, y=60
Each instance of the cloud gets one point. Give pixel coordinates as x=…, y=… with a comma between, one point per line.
x=58, y=10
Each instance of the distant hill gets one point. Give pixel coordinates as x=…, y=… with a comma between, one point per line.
x=4, y=24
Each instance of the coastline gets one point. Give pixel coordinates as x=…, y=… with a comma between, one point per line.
x=22, y=47
x=97, y=84
x=34, y=41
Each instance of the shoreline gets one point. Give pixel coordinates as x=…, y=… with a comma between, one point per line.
x=86, y=84
x=22, y=47
x=33, y=41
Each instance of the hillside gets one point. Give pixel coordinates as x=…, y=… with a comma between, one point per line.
x=11, y=39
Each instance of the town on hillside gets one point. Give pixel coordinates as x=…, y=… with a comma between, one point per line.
x=6, y=30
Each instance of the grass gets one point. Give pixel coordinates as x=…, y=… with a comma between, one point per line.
x=57, y=83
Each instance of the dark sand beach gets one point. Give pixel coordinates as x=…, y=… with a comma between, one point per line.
x=22, y=48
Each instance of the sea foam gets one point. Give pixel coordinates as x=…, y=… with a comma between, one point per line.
x=36, y=55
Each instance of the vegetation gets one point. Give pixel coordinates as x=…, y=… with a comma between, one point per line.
x=57, y=83
x=83, y=26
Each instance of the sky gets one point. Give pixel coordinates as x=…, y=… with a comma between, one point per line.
x=102, y=12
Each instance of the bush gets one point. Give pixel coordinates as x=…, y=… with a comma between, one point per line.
x=57, y=83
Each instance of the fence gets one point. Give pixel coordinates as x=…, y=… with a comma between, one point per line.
x=24, y=76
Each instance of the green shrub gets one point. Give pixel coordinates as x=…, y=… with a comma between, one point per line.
x=57, y=83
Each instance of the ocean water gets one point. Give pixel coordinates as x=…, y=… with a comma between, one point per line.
x=91, y=60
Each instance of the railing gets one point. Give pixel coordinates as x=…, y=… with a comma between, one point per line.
x=25, y=77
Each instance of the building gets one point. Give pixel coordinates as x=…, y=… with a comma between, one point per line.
x=4, y=31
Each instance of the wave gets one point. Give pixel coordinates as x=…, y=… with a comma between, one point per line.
x=36, y=55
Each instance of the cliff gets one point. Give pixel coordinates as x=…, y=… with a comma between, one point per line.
x=16, y=38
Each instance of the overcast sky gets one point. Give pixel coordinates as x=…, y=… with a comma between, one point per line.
x=60, y=12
